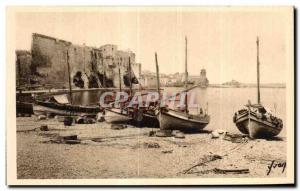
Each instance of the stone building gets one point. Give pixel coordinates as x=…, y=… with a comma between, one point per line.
x=203, y=81
x=90, y=67
x=23, y=67
x=113, y=59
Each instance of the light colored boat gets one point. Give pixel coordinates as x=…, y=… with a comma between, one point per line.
x=177, y=120
x=116, y=115
x=181, y=120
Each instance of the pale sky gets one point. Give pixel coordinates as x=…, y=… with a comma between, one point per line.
x=220, y=40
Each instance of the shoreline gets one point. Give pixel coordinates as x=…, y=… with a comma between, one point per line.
x=104, y=152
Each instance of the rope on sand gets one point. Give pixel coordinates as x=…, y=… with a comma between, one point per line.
x=211, y=158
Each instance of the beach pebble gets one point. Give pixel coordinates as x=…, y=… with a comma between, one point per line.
x=44, y=128
x=41, y=117
x=174, y=132
x=179, y=135
x=118, y=126
x=68, y=121
x=151, y=145
x=69, y=137
x=79, y=120
x=164, y=133
x=220, y=131
x=215, y=135
x=72, y=141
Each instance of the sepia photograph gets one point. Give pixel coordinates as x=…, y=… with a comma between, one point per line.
x=150, y=95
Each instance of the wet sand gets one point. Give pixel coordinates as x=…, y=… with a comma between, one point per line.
x=131, y=153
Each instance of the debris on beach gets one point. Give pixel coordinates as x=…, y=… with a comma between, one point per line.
x=220, y=131
x=72, y=142
x=44, y=128
x=151, y=145
x=66, y=139
x=231, y=171
x=205, y=159
x=118, y=126
x=68, y=121
x=222, y=171
x=215, y=135
x=164, y=133
x=167, y=151
x=85, y=120
x=169, y=133
x=69, y=137
x=42, y=117
x=179, y=135
x=235, y=138
x=217, y=132
x=151, y=133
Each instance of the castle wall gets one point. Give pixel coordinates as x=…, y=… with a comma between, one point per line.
x=49, y=58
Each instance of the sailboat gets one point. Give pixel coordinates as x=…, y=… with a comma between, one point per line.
x=170, y=119
x=62, y=105
x=256, y=120
x=121, y=113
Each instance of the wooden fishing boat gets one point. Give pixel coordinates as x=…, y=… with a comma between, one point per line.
x=181, y=120
x=58, y=105
x=117, y=115
x=255, y=120
x=178, y=120
x=142, y=117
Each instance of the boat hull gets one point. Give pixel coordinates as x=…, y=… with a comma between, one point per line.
x=115, y=116
x=169, y=120
x=256, y=128
x=43, y=110
x=150, y=121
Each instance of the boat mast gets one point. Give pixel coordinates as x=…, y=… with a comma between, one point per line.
x=130, y=78
x=157, y=76
x=120, y=81
x=186, y=77
x=258, y=82
x=70, y=85
x=104, y=72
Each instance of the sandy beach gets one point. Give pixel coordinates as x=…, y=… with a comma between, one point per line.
x=104, y=152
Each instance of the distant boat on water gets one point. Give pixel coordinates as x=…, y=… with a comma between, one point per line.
x=255, y=120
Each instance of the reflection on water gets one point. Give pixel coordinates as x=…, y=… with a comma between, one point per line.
x=222, y=103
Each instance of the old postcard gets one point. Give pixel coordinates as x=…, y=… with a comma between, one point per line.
x=150, y=95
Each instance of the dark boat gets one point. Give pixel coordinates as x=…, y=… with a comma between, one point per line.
x=255, y=120
x=59, y=105
x=181, y=120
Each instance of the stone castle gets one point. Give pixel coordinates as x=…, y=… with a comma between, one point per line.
x=90, y=67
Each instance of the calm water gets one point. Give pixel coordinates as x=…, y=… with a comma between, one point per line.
x=222, y=103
